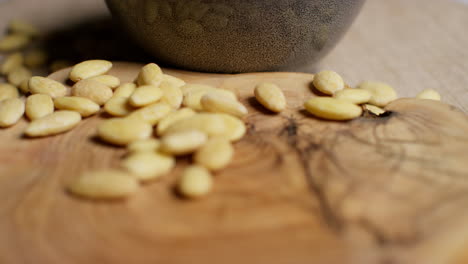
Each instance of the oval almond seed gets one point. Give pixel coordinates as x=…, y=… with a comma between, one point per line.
x=145, y=95
x=216, y=103
x=150, y=74
x=182, y=143
x=195, y=182
x=88, y=69
x=374, y=109
x=93, y=90
x=38, y=106
x=146, y=166
x=36, y=58
x=144, y=145
x=11, y=111
x=118, y=106
x=108, y=80
x=104, y=184
x=123, y=131
x=22, y=27
x=8, y=91
x=12, y=62
x=210, y=124
x=18, y=75
x=172, y=118
x=41, y=85
x=193, y=98
x=270, y=96
x=332, y=109
x=13, y=42
x=173, y=81
x=172, y=95
x=382, y=94
x=125, y=90
x=235, y=128
x=216, y=154
x=151, y=114
x=55, y=123
x=355, y=96
x=429, y=94
x=82, y=105
x=328, y=82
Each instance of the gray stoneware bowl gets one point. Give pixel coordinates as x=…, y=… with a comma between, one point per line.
x=236, y=35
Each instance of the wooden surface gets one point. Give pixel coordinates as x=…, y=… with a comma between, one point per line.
x=412, y=44
x=389, y=190
x=300, y=190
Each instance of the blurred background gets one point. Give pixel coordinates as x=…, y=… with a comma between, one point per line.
x=412, y=45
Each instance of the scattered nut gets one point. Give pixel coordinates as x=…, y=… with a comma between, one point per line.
x=82, y=105
x=355, y=96
x=8, y=91
x=195, y=182
x=332, y=109
x=210, y=124
x=270, y=96
x=52, y=124
x=145, y=95
x=182, y=143
x=214, y=102
x=108, y=80
x=150, y=74
x=429, y=94
x=216, y=154
x=123, y=131
x=38, y=106
x=173, y=118
x=146, y=166
x=144, y=145
x=382, y=94
x=151, y=114
x=88, y=69
x=18, y=75
x=11, y=62
x=328, y=82
x=11, y=111
x=13, y=42
x=93, y=90
x=41, y=85
x=125, y=90
x=118, y=106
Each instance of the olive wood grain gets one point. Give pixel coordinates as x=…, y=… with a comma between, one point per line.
x=390, y=189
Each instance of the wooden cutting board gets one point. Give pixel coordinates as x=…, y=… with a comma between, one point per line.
x=389, y=189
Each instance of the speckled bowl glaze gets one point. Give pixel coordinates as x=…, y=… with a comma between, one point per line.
x=236, y=35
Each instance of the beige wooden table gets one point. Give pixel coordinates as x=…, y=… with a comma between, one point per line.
x=412, y=45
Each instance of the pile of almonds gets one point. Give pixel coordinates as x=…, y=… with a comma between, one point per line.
x=158, y=117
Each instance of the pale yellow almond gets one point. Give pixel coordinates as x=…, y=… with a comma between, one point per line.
x=382, y=94
x=151, y=114
x=150, y=74
x=196, y=182
x=146, y=166
x=328, y=82
x=24, y=87
x=173, y=81
x=36, y=58
x=173, y=118
x=182, y=143
x=193, y=98
x=189, y=88
x=125, y=90
x=18, y=26
x=172, y=94
x=118, y=106
x=14, y=42
x=213, y=102
x=123, y=131
x=145, y=95
x=18, y=75
x=52, y=124
x=270, y=96
x=82, y=105
x=11, y=62
x=38, y=106
x=355, y=96
x=109, y=80
x=235, y=128
x=429, y=94
x=11, y=111
x=88, y=69
x=216, y=154
x=59, y=65
x=210, y=124
x=332, y=109
x=42, y=85
x=104, y=184
x=93, y=90
x=144, y=145
x=8, y=91
x=374, y=109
